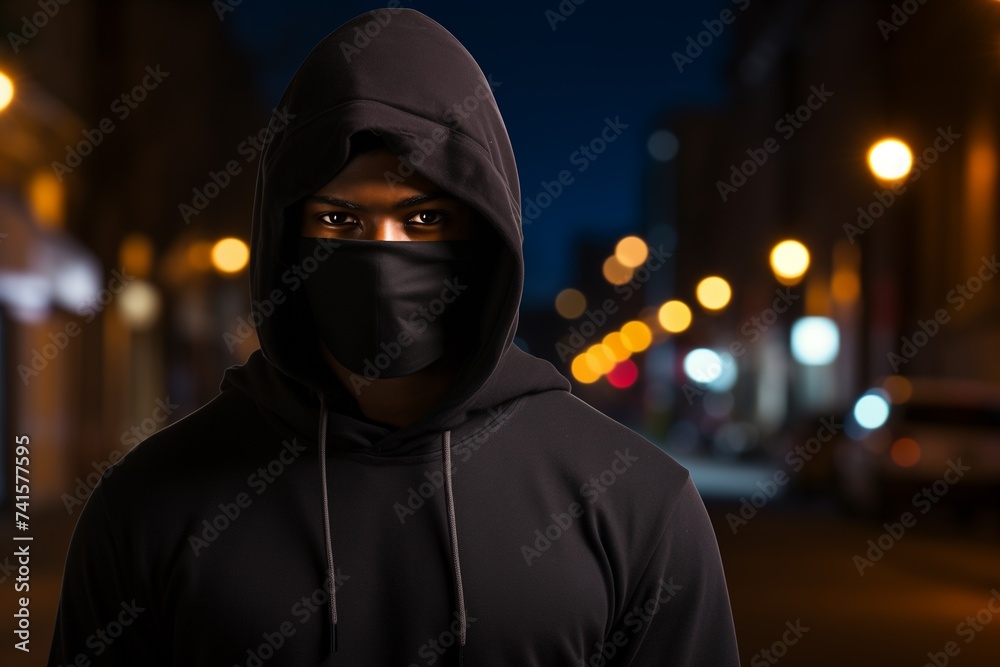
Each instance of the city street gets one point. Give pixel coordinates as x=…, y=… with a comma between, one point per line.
x=796, y=565
x=762, y=235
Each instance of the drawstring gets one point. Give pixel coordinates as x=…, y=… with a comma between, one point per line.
x=326, y=524
x=452, y=533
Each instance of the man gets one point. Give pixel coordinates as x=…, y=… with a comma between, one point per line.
x=390, y=480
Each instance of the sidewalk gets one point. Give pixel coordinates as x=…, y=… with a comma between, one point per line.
x=725, y=480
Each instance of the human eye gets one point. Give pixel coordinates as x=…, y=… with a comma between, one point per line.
x=427, y=218
x=336, y=218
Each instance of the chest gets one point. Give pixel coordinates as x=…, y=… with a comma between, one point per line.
x=253, y=581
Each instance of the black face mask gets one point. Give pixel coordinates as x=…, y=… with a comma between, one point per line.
x=386, y=309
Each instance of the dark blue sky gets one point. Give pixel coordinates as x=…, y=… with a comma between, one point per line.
x=557, y=87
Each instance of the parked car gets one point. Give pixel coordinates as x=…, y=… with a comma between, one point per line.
x=938, y=443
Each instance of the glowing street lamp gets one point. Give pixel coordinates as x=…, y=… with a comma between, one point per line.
x=615, y=272
x=582, y=370
x=6, y=91
x=631, y=251
x=636, y=336
x=890, y=159
x=714, y=293
x=815, y=341
x=789, y=261
x=230, y=255
x=674, y=316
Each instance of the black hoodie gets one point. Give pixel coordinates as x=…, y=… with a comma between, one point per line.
x=513, y=524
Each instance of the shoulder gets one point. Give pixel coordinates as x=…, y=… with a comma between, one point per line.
x=200, y=441
x=613, y=468
x=576, y=430
x=649, y=516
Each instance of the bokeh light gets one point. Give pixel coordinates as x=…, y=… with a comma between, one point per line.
x=905, y=452
x=613, y=341
x=6, y=91
x=714, y=293
x=600, y=358
x=898, y=388
x=890, y=159
x=727, y=375
x=47, y=199
x=230, y=255
x=570, y=303
x=871, y=410
x=624, y=374
x=135, y=254
x=139, y=304
x=703, y=365
x=636, y=336
x=631, y=251
x=815, y=341
x=663, y=145
x=582, y=371
x=615, y=272
x=674, y=316
x=789, y=260
x=845, y=285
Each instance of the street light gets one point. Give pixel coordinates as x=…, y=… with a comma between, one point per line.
x=636, y=336
x=230, y=255
x=713, y=293
x=815, y=341
x=789, y=261
x=674, y=316
x=6, y=91
x=582, y=371
x=615, y=272
x=139, y=304
x=631, y=251
x=600, y=358
x=615, y=343
x=890, y=159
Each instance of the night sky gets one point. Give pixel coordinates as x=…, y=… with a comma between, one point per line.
x=556, y=89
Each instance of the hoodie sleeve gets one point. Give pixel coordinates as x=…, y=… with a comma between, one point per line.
x=102, y=619
x=678, y=613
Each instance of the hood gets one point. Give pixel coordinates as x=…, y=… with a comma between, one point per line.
x=402, y=75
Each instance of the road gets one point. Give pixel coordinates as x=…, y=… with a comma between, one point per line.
x=793, y=566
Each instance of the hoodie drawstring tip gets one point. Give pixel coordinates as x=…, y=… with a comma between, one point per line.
x=461, y=655
x=333, y=638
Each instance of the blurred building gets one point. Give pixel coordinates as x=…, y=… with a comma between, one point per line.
x=119, y=114
x=904, y=272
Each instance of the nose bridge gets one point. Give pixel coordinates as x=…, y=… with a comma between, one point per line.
x=386, y=227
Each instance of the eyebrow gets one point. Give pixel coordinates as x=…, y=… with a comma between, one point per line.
x=403, y=203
